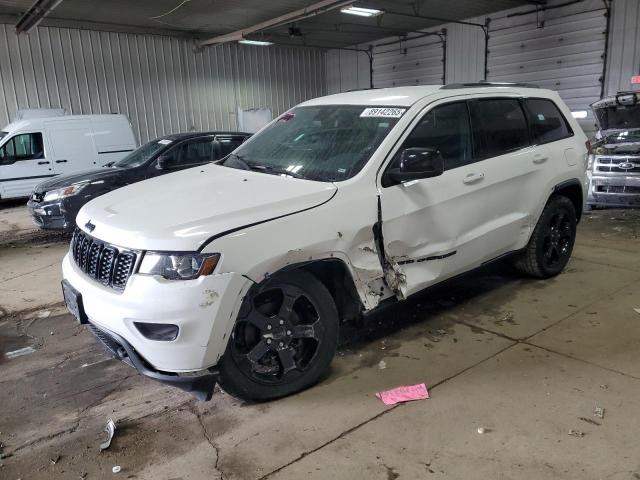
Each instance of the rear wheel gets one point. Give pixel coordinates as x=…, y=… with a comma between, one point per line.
x=551, y=243
x=284, y=339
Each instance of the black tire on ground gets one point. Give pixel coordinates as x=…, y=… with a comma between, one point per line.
x=284, y=339
x=551, y=242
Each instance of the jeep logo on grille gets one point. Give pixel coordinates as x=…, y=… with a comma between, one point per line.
x=90, y=226
x=626, y=166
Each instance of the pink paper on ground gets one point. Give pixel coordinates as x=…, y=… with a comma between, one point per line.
x=404, y=394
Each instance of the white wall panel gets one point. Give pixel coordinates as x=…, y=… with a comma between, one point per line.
x=161, y=83
x=623, y=59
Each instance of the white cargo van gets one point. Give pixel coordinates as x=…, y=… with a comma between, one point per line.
x=37, y=148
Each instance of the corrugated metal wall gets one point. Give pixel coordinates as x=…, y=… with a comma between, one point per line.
x=417, y=61
x=159, y=82
x=347, y=70
x=623, y=59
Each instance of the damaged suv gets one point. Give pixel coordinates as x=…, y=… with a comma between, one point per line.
x=240, y=272
x=614, y=163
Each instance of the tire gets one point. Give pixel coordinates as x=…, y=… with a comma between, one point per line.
x=284, y=339
x=551, y=242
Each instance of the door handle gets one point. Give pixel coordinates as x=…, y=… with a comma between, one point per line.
x=472, y=178
x=61, y=161
x=539, y=158
x=44, y=163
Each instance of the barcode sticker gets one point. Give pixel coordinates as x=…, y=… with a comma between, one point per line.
x=383, y=112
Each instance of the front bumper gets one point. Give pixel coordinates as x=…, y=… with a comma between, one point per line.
x=204, y=309
x=201, y=385
x=614, y=190
x=52, y=215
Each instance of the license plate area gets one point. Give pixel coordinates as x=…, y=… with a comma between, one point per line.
x=73, y=301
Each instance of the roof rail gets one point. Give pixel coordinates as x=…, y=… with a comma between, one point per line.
x=453, y=86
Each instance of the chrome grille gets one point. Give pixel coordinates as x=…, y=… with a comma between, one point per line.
x=102, y=261
x=611, y=164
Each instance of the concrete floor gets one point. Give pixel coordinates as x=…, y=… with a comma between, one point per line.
x=526, y=360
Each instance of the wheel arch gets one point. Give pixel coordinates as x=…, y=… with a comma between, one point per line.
x=336, y=276
x=572, y=189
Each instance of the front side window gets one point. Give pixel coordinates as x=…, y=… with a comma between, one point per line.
x=446, y=130
x=324, y=143
x=546, y=122
x=142, y=154
x=27, y=146
x=500, y=126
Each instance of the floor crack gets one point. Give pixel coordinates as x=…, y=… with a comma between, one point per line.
x=194, y=411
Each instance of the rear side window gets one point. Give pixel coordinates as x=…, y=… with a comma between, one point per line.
x=499, y=126
x=225, y=145
x=545, y=120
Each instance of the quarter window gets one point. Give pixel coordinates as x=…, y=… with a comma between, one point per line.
x=545, y=120
x=500, y=126
x=446, y=129
x=27, y=146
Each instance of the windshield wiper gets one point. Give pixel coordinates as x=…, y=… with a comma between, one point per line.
x=110, y=164
x=276, y=171
x=233, y=160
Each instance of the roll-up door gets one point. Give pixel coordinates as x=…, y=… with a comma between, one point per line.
x=561, y=48
x=416, y=61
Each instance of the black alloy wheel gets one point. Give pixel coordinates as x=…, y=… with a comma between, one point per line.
x=283, y=340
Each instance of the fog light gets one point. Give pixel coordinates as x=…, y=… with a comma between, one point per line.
x=158, y=331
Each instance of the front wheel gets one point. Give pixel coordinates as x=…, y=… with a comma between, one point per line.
x=551, y=242
x=284, y=338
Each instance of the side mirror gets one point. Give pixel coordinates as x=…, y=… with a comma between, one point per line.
x=416, y=163
x=164, y=162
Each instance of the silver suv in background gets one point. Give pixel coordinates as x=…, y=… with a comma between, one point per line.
x=614, y=160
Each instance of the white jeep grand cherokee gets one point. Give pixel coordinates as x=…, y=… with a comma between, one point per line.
x=240, y=272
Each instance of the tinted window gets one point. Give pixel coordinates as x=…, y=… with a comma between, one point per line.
x=225, y=145
x=500, y=126
x=545, y=120
x=445, y=129
x=191, y=152
x=27, y=146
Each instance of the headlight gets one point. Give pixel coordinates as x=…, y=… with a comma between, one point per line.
x=178, y=266
x=64, y=192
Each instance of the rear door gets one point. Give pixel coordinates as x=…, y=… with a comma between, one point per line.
x=73, y=146
x=24, y=163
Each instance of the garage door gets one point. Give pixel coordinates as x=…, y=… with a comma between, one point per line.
x=559, y=48
x=418, y=61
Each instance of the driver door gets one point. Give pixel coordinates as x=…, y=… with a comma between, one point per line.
x=432, y=227
x=187, y=154
x=23, y=164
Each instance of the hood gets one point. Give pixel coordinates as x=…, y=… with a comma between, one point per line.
x=181, y=211
x=60, y=181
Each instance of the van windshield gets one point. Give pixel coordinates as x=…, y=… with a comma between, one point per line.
x=324, y=143
x=142, y=154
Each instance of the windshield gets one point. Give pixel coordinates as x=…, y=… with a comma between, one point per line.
x=619, y=117
x=325, y=143
x=142, y=154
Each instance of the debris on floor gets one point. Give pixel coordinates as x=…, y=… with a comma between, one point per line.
x=20, y=352
x=405, y=393
x=637, y=310
x=110, y=428
x=598, y=412
x=382, y=365
x=55, y=459
x=576, y=433
x=43, y=313
x=116, y=469
x=483, y=430
x=589, y=420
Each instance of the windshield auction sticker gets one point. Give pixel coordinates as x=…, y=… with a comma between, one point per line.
x=383, y=112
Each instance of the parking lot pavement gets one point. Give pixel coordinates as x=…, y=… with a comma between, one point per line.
x=526, y=360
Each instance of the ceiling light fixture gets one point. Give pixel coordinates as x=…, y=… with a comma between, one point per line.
x=262, y=43
x=361, y=11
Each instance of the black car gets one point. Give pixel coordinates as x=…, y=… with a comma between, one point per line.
x=55, y=202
